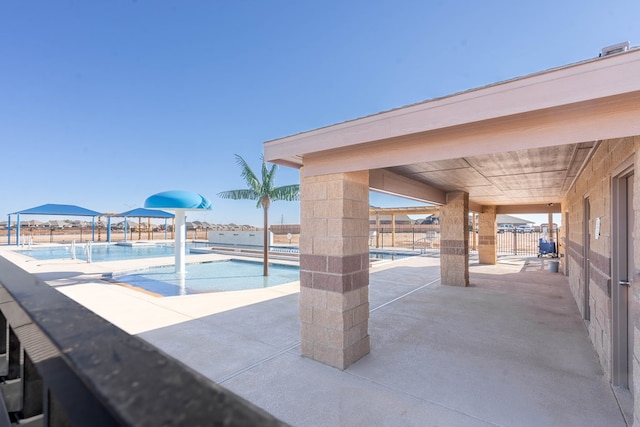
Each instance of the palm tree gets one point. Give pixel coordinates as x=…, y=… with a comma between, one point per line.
x=264, y=192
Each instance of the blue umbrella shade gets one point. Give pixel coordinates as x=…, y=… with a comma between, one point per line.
x=53, y=209
x=177, y=200
x=146, y=213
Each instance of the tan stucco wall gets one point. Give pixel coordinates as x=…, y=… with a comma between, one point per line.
x=595, y=182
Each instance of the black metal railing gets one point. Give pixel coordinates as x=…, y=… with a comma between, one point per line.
x=522, y=243
x=423, y=238
x=62, y=365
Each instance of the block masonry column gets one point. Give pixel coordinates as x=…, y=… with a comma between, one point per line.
x=334, y=267
x=454, y=240
x=487, y=236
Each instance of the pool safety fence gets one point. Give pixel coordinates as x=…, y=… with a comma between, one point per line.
x=426, y=239
x=61, y=365
x=525, y=243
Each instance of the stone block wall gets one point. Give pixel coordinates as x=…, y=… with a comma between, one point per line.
x=635, y=290
x=595, y=183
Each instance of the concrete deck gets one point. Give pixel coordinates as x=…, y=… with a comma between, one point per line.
x=511, y=349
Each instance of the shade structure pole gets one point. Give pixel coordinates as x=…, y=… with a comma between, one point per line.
x=180, y=202
x=180, y=241
x=8, y=229
x=18, y=230
x=109, y=229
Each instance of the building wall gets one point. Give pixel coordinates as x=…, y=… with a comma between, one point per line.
x=595, y=183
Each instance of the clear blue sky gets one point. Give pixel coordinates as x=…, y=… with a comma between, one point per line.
x=103, y=103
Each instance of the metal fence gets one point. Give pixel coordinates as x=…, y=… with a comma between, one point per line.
x=86, y=234
x=62, y=365
x=426, y=238
x=423, y=238
x=522, y=243
x=416, y=237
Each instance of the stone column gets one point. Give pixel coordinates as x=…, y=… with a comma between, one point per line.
x=487, y=235
x=454, y=240
x=334, y=267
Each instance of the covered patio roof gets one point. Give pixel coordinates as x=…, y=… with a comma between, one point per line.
x=51, y=209
x=145, y=213
x=518, y=145
x=55, y=209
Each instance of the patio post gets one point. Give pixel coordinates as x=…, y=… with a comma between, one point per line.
x=334, y=267
x=487, y=236
x=180, y=241
x=454, y=240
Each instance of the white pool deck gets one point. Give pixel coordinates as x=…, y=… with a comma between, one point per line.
x=509, y=350
x=134, y=310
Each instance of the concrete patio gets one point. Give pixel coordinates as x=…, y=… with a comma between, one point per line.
x=509, y=350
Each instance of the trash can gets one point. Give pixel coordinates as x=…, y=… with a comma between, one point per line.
x=553, y=266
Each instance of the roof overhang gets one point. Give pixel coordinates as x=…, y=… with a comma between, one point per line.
x=466, y=123
x=578, y=104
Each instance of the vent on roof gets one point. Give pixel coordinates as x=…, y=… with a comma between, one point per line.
x=614, y=48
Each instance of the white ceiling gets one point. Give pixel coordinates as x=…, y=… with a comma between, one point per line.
x=534, y=176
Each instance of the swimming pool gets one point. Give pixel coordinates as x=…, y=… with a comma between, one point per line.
x=117, y=252
x=102, y=252
x=215, y=276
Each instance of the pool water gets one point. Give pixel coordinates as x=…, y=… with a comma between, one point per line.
x=113, y=252
x=216, y=276
x=375, y=254
x=100, y=252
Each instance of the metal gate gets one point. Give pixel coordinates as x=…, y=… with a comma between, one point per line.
x=522, y=243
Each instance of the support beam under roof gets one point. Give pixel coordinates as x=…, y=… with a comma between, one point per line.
x=388, y=182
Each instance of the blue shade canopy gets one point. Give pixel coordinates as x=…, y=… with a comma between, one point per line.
x=146, y=213
x=52, y=209
x=177, y=200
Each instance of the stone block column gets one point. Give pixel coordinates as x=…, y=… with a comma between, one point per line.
x=454, y=240
x=334, y=267
x=487, y=236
